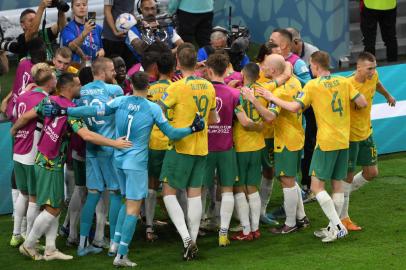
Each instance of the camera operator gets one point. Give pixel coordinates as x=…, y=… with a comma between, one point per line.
x=30, y=22
x=82, y=35
x=113, y=40
x=218, y=40
x=136, y=35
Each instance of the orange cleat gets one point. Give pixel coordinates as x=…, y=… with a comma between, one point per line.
x=351, y=226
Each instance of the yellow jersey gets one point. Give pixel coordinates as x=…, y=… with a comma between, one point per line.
x=361, y=126
x=269, y=129
x=244, y=140
x=186, y=97
x=158, y=141
x=330, y=97
x=289, y=131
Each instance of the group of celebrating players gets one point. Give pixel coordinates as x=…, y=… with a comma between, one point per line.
x=181, y=128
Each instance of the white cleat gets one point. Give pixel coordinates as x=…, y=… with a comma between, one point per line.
x=105, y=244
x=123, y=262
x=335, y=234
x=322, y=233
x=113, y=249
x=30, y=252
x=56, y=255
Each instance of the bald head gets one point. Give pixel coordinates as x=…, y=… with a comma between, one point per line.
x=274, y=65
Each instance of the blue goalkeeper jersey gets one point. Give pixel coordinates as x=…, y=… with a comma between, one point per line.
x=98, y=93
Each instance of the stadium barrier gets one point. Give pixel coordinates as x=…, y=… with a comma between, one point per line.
x=389, y=126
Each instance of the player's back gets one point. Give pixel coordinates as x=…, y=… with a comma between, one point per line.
x=245, y=140
x=220, y=134
x=330, y=98
x=134, y=119
x=187, y=97
x=98, y=93
x=289, y=131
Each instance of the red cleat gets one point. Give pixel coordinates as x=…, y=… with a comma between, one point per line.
x=256, y=234
x=242, y=237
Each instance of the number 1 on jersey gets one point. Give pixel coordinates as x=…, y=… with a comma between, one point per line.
x=130, y=121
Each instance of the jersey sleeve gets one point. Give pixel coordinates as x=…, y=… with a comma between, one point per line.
x=304, y=97
x=301, y=70
x=116, y=90
x=169, y=98
x=270, y=86
x=76, y=123
x=68, y=35
x=239, y=107
x=158, y=114
x=213, y=99
x=354, y=93
x=274, y=108
x=39, y=109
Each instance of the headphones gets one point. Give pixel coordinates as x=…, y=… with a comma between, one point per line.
x=139, y=7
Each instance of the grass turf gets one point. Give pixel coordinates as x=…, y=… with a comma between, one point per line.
x=379, y=207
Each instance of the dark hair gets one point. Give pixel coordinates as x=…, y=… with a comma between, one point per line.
x=218, y=62
x=264, y=50
x=159, y=47
x=25, y=12
x=366, y=56
x=37, y=50
x=284, y=33
x=140, y=81
x=166, y=63
x=251, y=70
x=85, y=75
x=321, y=58
x=187, y=58
x=149, y=59
x=65, y=79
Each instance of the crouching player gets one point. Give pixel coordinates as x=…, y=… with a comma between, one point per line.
x=49, y=164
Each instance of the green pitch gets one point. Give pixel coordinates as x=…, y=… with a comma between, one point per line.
x=378, y=207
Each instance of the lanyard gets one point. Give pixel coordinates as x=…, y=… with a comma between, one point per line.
x=91, y=40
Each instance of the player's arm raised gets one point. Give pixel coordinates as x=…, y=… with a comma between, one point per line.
x=292, y=106
x=382, y=90
x=266, y=114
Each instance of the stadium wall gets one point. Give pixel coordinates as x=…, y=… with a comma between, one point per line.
x=322, y=23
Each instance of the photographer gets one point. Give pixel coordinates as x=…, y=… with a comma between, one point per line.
x=218, y=40
x=137, y=36
x=30, y=22
x=82, y=35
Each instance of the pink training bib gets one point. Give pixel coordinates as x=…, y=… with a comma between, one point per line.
x=54, y=130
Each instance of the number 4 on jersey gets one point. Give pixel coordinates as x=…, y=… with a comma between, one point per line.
x=339, y=107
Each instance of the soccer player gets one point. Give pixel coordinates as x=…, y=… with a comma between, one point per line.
x=330, y=97
x=49, y=164
x=121, y=78
x=362, y=147
x=100, y=170
x=158, y=143
x=62, y=61
x=289, y=139
x=25, y=150
x=221, y=157
x=135, y=117
x=184, y=165
x=249, y=146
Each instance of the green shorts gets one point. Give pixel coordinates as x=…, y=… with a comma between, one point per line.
x=183, y=171
x=287, y=163
x=226, y=165
x=155, y=161
x=50, y=187
x=25, y=178
x=362, y=153
x=79, y=171
x=267, y=154
x=249, y=168
x=329, y=165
